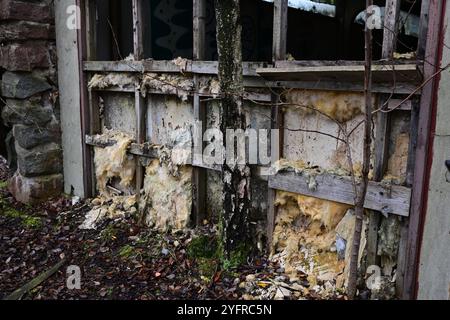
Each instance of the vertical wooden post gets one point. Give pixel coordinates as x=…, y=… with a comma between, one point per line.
x=400, y=274
x=280, y=16
x=199, y=174
x=280, y=12
x=382, y=127
x=140, y=108
x=92, y=96
x=423, y=29
x=391, y=22
x=420, y=185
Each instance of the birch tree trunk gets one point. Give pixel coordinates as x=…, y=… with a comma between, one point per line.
x=236, y=178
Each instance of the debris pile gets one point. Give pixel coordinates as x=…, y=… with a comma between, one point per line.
x=112, y=166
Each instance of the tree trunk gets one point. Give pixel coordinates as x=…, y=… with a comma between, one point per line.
x=360, y=196
x=236, y=178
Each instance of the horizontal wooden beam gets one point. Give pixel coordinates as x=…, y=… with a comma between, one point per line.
x=169, y=66
x=387, y=199
x=401, y=73
x=400, y=88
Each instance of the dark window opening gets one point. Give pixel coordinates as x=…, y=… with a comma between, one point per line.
x=257, y=31
x=114, y=23
x=168, y=32
x=335, y=30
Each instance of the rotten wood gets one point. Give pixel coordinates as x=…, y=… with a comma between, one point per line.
x=383, y=126
x=280, y=25
x=422, y=156
x=167, y=66
x=404, y=224
x=381, y=197
x=139, y=101
x=19, y=293
x=199, y=179
x=280, y=14
x=390, y=32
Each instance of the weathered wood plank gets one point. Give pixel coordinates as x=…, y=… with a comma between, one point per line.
x=139, y=101
x=404, y=73
x=423, y=29
x=400, y=88
x=391, y=21
x=422, y=157
x=200, y=67
x=280, y=25
x=94, y=121
x=391, y=199
x=381, y=155
x=401, y=259
x=279, y=43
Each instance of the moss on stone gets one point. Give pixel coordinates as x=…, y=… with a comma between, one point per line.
x=3, y=184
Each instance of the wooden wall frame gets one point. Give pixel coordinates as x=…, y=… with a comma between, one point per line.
x=419, y=107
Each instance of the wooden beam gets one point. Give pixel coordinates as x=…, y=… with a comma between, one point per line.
x=422, y=156
x=92, y=121
x=280, y=15
x=383, y=127
x=280, y=25
x=391, y=22
x=139, y=101
x=167, y=66
x=401, y=259
x=381, y=156
x=423, y=29
x=400, y=88
x=199, y=179
x=389, y=199
x=404, y=73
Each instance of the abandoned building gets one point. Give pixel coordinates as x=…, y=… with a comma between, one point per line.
x=100, y=99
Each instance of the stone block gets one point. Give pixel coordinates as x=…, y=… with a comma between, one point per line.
x=22, y=85
x=25, y=56
x=22, y=10
x=29, y=112
x=41, y=160
x=29, y=137
x=36, y=189
x=25, y=30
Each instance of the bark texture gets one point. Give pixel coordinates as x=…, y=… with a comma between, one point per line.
x=236, y=178
x=362, y=187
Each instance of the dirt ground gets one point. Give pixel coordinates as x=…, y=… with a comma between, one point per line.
x=121, y=260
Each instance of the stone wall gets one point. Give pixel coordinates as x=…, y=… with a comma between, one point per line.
x=30, y=97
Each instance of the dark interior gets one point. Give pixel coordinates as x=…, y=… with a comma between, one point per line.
x=311, y=36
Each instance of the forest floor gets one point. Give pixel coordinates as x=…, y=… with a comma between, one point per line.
x=121, y=260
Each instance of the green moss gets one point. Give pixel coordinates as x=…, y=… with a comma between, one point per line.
x=207, y=267
x=237, y=257
x=3, y=184
x=126, y=252
x=27, y=221
x=203, y=247
x=109, y=233
x=32, y=222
